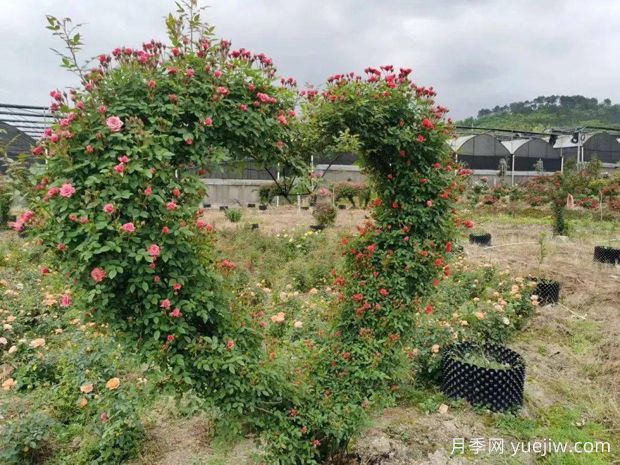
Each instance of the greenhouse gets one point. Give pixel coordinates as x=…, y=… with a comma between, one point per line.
x=480, y=151
x=585, y=147
x=533, y=155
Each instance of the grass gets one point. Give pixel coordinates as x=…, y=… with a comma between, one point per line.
x=571, y=350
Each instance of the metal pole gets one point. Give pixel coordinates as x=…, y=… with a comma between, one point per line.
x=512, y=174
x=278, y=179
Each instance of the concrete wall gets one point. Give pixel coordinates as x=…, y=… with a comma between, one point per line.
x=233, y=192
x=240, y=192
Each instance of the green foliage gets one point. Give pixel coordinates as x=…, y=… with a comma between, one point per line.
x=27, y=441
x=52, y=354
x=233, y=215
x=352, y=191
x=6, y=200
x=547, y=112
x=324, y=213
x=560, y=226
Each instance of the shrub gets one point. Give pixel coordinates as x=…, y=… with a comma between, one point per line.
x=6, y=200
x=233, y=215
x=115, y=197
x=27, y=439
x=325, y=214
x=388, y=268
x=351, y=191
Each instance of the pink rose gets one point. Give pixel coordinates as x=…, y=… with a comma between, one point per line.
x=123, y=159
x=108, y=208
x=98, y=274
x=154, y=250
x=171, y=206
x=119, y=168
x=65, y=300
x=208, y=122
x=114, y=123
x=165, y=304
x=165, y=230
x=176, y=313
x=128, y=227
x=67, y=190
x=148, y=191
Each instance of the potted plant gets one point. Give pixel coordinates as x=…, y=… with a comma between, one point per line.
x=606, y=254
x=483, y=239
x=486, y=375
x=547, y=290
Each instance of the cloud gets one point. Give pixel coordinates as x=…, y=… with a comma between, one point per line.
x=476, y=53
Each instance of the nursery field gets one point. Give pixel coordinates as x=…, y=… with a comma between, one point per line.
x=282, y=272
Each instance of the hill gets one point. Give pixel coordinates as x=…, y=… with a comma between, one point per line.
x=555, y=111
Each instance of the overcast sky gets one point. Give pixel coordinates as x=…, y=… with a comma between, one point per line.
x=476, y=53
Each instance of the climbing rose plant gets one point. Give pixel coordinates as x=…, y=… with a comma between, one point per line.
x=118, y=193
x=391, y=266
x=117, y=201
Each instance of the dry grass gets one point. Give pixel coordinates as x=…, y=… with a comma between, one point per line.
x=572, y=351
x=275, y=220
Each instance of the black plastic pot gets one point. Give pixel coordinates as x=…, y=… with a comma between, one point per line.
x=547, y=290
x=497, y=389
x=342, y=207
x=262, y=207
x=206, y=205
x=223, y=208
x=305, y=208
x=251, y=205
x=480, y=239
x=254, y=226
x=317, y=227
x=605, y=254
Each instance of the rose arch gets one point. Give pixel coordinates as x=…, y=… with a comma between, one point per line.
x=117, y=197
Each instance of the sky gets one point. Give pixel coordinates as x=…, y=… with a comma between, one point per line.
x=475, y=53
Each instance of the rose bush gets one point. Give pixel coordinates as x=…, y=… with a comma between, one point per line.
x=390, y=266
x=117, y=193
x=117, y=202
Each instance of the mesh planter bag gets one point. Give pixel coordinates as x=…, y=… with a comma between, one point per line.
x=605, y=254
x=547, y=290
x=499, y=389
x=480, y=239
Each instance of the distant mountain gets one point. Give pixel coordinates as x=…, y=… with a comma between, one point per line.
x=555, y=111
